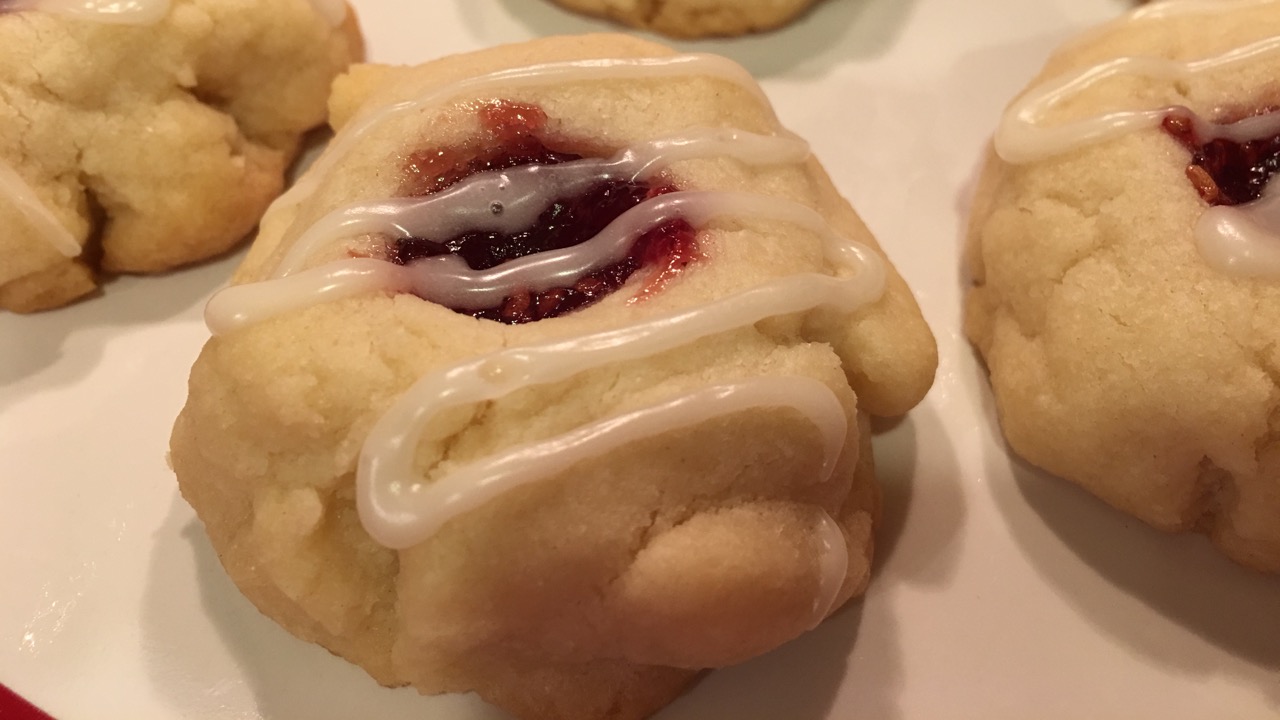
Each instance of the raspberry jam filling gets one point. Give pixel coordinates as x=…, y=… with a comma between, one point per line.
x=1225, y=171
x=514, y=135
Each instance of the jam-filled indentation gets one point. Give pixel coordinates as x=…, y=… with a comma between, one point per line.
x=1225, y=170
x=515, y=135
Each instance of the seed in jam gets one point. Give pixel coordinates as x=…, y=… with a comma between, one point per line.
x=514, y=136
x=1225, y=172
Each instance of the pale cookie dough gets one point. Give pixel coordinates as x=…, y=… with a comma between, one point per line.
x=572, y=517
x=695, y=18
x=1131, y=322
x=138, y=137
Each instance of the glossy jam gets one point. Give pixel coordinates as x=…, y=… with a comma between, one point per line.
x=514, y=135
x=1226, y=172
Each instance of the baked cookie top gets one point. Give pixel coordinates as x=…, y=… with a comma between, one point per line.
x=312, y=246
x=136, y=137
x=1124, y=254
x=560, y=358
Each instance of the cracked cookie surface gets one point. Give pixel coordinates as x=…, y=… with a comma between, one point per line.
x=695, y=18
x=141, y=148
x=1119, y=356
x=600, y=587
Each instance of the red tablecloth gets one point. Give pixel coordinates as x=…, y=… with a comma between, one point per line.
x=13, y=707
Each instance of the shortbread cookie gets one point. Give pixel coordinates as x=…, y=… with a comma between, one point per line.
x=138, y=137
x=548, y=381
x=695, y=18
x=1125, y=253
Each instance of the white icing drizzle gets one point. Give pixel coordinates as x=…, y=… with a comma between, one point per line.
x=1021, y=138
x=118, y=12
x=243, y=305
x=524, y=193
x=508, y=200
x=833, y=566
x=1242, y=240
x=401, y=515
x=16, y=190
x=447, y=280
x=507, y=80
x=1242, y=131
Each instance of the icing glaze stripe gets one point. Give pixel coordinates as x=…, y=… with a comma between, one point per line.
x=1022, y=139
x=16, y=190
x=401, y=520
x=117, y=12
x=1242, y=240
x=448, y=281
x=243, y=305
x=386, y=482
x=506, y=80
x=833, y=566
x=521, y=194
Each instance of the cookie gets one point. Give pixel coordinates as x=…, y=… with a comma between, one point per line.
x=143, y=136
x=550, y=379
x=695, y=18
x=1126, y=270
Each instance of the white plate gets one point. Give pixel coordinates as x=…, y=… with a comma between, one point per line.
x=1001, y=593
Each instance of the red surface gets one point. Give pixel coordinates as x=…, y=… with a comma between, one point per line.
x=13, y=707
